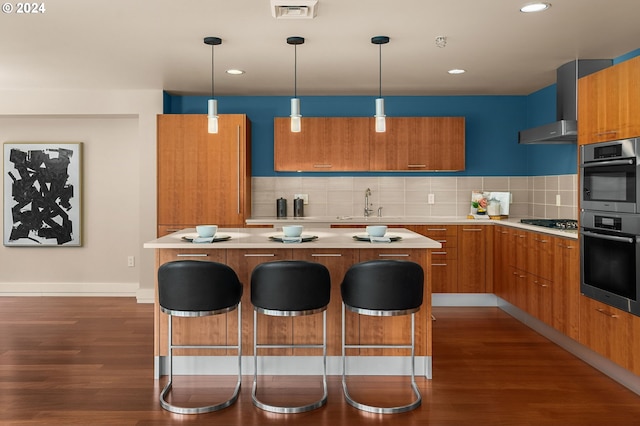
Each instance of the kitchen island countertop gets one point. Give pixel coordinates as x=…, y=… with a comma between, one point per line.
x=252, y=238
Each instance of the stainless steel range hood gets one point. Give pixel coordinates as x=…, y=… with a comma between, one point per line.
x=565, y=129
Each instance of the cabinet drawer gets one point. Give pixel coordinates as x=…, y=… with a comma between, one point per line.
x=445, y=235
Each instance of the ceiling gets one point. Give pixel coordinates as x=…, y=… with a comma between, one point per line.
x=158, y=44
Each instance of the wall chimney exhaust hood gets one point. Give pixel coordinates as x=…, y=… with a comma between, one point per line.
x=565, y=129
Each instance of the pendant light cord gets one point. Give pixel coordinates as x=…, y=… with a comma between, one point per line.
x=380, y=71
x=212, y=73
x=295, y=71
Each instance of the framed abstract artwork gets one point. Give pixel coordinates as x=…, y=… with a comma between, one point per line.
x=42, y=194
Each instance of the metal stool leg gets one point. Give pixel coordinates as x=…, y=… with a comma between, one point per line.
x=288, y=409
x=371, y=408
x=208, y=408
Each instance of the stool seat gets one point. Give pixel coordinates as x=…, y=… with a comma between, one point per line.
x=190, y=288
x=382, y=288
x=290, y=288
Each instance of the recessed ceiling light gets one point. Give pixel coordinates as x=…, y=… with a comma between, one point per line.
x=235, y=72
x=535, y=7
x=456, y=71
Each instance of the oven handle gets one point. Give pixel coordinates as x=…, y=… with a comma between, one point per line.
x=627, y=162
x=629, y=240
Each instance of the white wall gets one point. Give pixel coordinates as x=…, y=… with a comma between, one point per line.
x=118, y=132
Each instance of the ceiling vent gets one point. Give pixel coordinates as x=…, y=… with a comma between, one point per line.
x=294, y=9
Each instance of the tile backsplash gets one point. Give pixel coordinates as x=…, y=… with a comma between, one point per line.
x=538, y=196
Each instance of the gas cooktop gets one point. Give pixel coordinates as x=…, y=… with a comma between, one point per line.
x=552, y=223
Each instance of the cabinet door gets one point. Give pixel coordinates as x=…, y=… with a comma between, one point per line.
x=346, y=141
x=566, y=287
x=202, y=177
x=501, y=253
x=444, y=261
x=388, y=150
x=540, y=255
x=609, y=103
x=276, y=330
x=608, y=331
x=397, y=330
x=540, y=298
x=439, y=144
x=472, y=255
x=324, y=144
x=307, y=329
x=302, y=151
x=199, y=330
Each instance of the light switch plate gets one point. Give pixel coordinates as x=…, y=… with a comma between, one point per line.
x=431, y=199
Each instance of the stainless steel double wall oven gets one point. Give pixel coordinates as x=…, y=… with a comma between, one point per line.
x=610, y=223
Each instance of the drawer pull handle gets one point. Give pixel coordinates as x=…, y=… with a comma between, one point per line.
x=438, y=264
x=323, y=166
x=436, y=229
x=610, y=132
x=603, y=312
x=259, y=255
x=541, y=241
x=326, y=255
x=192, y=255
x=439, y=252
x=417, y=166
x=393, y=255
x=472, y=229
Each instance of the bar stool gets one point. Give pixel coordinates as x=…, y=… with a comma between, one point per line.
x=382, y=288
x=190, y=288
x=290, y=288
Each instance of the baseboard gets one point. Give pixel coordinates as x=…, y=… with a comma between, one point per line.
x=70, y=289
x=464, y=299
x=146, y=295
x=621, y=375
x=295, y=365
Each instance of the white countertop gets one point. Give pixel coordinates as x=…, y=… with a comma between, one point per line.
x=334, y=238
x=326, y=222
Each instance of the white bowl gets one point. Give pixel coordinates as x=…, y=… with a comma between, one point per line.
x=292, y=230
x=206, y=231
x=376, y=230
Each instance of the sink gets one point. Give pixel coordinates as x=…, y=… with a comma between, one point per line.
x=368, y=219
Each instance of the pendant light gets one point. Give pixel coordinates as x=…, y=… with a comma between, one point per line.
x=380, y=117
x=296, y=124
x=212, y=104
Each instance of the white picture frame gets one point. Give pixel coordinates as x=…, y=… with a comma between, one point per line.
x=42, y=194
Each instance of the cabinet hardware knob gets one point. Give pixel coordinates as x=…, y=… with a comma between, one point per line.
x=603, y=312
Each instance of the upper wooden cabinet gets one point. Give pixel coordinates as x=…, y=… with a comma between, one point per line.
x=419, y=144
x=609, y=103
x=202, y=177
x=325, y=144
x=351, y=144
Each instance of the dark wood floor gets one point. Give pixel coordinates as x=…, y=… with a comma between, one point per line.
x=89, y=361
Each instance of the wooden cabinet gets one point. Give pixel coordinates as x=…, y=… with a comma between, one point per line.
x=502, y=252
x=444, y=261
x=324, y=144
x=351, y=144
x=609, y=103
x=419, y=144
x=540, y=255
x=566, y=288
x=610, y=332
x=473, y=243
x=202, y=177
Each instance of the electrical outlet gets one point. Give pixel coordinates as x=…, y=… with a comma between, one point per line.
x=558, y=201
x=431, y=199
x=305, y=197
x=131, y=261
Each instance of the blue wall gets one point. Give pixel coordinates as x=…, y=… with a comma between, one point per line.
x=492, y=125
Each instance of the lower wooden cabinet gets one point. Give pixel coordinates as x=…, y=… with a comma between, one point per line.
x=610, y=332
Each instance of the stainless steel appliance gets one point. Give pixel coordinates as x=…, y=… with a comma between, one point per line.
x=609, y=176
x=610, y=258
x=564, y=224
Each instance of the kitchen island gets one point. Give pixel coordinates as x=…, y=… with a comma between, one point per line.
x=337, y=249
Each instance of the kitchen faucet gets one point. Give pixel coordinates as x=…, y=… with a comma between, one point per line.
x=367, y=210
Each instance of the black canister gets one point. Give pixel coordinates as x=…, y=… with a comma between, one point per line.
x=298, y=207
x=281, y=207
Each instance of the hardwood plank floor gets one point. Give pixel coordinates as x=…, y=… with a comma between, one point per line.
x=89, y=361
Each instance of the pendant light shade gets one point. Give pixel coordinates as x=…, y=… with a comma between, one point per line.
x=380, y=122
x=296, y=122
x=212, y=104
